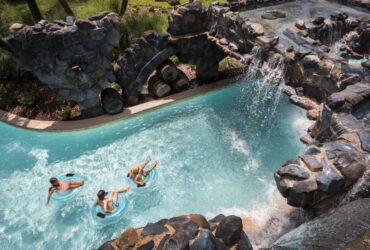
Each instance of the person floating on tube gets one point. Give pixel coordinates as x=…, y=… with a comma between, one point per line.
x=138, y=174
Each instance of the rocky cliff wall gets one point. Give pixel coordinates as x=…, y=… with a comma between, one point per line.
x=73, y=57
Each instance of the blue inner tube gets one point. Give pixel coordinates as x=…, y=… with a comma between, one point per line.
x=121, y=207
x=149, y=180
x=63, y=196
x=356, y=61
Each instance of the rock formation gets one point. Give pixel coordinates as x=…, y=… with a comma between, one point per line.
x=198, y=35
x=185, y=232
x=73, y=57
x=346, y=227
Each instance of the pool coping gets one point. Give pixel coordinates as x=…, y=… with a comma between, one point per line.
x=41, y=125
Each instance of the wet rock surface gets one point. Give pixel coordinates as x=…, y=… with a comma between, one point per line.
x=185, y=232
x=330, y=170
x=345, y=226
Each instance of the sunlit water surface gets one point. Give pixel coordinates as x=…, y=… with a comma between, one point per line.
x=217, y=154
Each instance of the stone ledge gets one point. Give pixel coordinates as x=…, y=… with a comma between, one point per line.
x=26, y=123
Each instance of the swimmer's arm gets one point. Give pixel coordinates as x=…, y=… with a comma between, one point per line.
x=51, y=191
x=96, y=202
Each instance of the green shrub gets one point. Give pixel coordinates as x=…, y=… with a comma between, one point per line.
x=175, y=59
x=6, y=98
x=10, y=70
x=64, y=111
x=230, y=63
x=28, y=98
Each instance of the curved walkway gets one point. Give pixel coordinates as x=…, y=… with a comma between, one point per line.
x=40, y=125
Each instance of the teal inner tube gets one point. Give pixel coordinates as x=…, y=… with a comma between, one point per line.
x=64, y=196
x=120, y=208
x=356, y=61
x=149, y=181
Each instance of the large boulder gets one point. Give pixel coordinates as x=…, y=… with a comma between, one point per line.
x=229, y=230
x=332, y=174
x=294, y=171
x=205, y=241
x=330, y=231
x=191, y=231
x=153, y=229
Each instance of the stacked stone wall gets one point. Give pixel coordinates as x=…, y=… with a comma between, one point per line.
x=73, y=57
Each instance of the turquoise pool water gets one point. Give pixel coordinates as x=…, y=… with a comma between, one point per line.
x=216, y=153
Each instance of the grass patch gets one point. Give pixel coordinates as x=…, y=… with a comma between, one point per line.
x=16, y=11
x=134, y=25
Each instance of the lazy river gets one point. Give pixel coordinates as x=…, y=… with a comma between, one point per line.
x=217, y=154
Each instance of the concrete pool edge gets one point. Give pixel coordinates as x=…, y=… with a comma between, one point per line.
x=41, y=125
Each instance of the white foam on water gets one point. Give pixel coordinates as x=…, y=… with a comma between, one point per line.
x=13, y=147
x=266, y=221
x=301, y=123
x=242, y=147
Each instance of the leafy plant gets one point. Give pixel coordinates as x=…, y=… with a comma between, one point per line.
x=9, y=69
x=175, y=59
x=6, y=98
x=64, y=111
x=28, y=98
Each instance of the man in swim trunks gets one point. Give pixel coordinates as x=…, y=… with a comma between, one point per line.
x=62, y=186
x=108, y=205
x=138, y=174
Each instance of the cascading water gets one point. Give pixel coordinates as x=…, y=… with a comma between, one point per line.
x=344, y=40
x=272, y=68
x=266, y=71
x=267, y=223
x=335, y=31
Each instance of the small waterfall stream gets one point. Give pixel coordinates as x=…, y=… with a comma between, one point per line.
x=265, y=70
x=270, y=68
x=335, y=31
x=344, y=40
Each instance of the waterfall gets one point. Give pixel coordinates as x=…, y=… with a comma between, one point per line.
x=271, y=69
x=266, y=71
x=256, y=62
x=335, y=32
x=346, y=39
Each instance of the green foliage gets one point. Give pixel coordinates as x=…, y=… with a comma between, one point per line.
x=28, y=98
x=230, y=63
x=134, y=25
x=9, y=69
x=175, y=59
x=94, y=6
x=6, y=98
x=64, y=111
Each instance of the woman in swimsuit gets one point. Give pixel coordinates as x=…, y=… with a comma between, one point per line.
x=108, y=205
x=138, y=174
x=62, y=186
